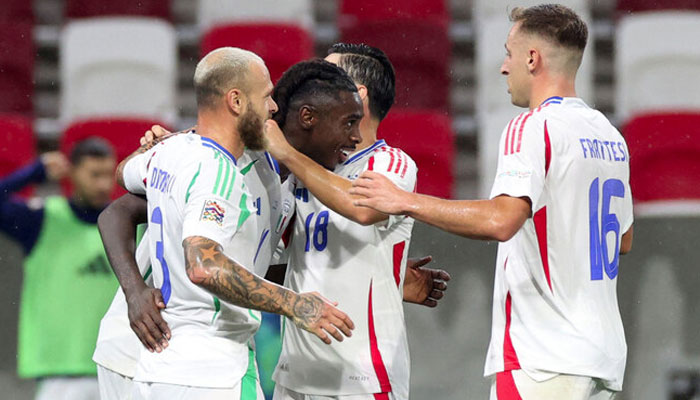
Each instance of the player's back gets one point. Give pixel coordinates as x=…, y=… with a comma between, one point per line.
x=555, y=304
x=194, y=188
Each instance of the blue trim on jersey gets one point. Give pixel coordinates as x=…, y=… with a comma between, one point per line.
x=553, y=100
x=376, y=145
x=210, y=143
x=262, y=240
x=272, y=163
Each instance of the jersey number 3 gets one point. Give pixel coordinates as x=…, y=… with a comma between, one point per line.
x=601, y=225
x=157, y=218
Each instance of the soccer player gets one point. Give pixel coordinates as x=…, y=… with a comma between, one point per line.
x=198, y=202
x=117, y=348
x=562, y=209
x=67, y=282
x=356, y=255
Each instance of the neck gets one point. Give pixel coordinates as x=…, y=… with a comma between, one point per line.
x=551, y=86
x=221, y=129
x=368, y=132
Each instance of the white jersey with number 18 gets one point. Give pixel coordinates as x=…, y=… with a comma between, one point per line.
x=362, y=268
x=555, y=306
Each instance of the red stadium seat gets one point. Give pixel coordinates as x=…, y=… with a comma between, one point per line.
x=17, y=66
x=633, y=6
x=354, y=11
x=123, y=134
x=18, y=146
x=427, y=137
x=664, y=153
x=102, y=8
x=420, y=52
x=16, y=11
x=280, y=45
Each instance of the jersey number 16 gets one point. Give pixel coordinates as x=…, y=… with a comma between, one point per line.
x=601, y=225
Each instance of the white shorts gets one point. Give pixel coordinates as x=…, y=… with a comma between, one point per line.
x=282, y=393
x=517, y=385
x=74, y=388
x=113, y=386
x=163, y=391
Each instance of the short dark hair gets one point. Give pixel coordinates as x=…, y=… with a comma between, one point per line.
x=309, y=78
x=91, y=147
x=370, y=67
x=554, y=22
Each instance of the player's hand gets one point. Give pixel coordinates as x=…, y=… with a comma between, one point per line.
x=145, y=319
x=56, y=165
x=314, y=313
x=380, y=194
x=275, y=142
x=154, y=136
x=424, y=286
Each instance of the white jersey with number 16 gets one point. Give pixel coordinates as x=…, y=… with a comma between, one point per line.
x=555, y=306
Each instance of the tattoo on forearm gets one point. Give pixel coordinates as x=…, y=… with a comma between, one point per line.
x=208, y=267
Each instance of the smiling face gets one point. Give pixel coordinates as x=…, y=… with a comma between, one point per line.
x=515, y=67
x=336, y=132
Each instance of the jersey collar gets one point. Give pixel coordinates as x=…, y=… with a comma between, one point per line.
x=553, y=100
x=362, y=153
x=210, y=143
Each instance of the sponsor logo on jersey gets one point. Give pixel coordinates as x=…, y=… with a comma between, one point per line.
x=212, y=211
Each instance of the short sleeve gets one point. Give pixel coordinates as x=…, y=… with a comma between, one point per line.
x=399, y=168
x=215, y=201
x=521, y=160
x=136, y=171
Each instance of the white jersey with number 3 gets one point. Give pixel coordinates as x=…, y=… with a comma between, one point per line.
x=362, y=268
x=195, y=188
x=118, y=348
x=555, y=307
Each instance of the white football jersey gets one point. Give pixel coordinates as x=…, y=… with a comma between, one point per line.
x=362, y=268
x=117, y=347
x=555, y=306
x=195, y=188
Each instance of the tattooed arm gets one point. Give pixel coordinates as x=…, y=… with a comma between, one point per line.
x=209, y=268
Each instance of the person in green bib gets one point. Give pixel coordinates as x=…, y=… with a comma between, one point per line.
x=67, y=284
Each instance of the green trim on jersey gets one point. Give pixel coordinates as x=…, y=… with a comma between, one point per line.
x=218, y=174
x=248, y=167
x=225, y=181
x=245, y=212
x=217, y=308
x=230, y=188
x=194, y=178
x=229, y=177
x=255, y=317
x=249, y=387
x=148, y=273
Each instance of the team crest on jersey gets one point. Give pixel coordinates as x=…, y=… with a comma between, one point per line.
x=212, y=211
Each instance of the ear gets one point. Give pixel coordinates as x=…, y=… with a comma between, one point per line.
x=362, y=89
x=534, y=60
x=307, y=116
x=235, y=100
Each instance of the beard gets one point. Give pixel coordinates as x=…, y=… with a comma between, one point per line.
x=250, y=127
